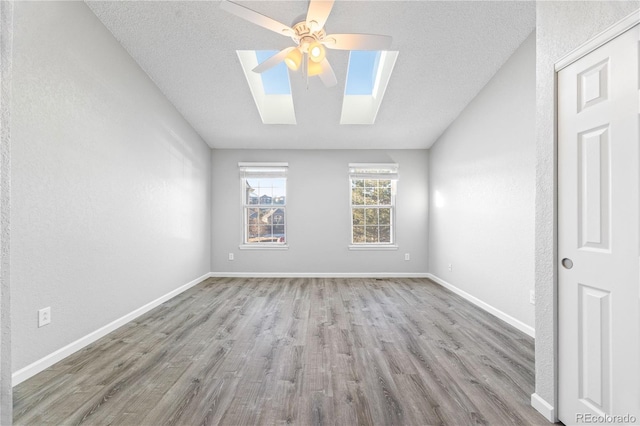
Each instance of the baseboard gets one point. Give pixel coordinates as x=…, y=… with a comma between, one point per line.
x=320, y=274
x=543, y=407
x=494, y=311
x=43, y=363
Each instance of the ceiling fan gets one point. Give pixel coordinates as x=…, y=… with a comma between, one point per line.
x=310, y=39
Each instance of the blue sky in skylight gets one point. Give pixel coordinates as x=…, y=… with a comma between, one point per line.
x=363, y=67
x=274, y=80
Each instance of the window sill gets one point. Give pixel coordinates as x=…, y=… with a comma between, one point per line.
x=373, y=247
x=264, y=247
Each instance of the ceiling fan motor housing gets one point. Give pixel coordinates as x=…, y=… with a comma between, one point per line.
x=304, y=36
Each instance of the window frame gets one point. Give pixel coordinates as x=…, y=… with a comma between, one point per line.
x=374, y=171
x=251, y=170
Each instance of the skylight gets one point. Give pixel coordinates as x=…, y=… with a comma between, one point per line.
x=275, y=81
x=363, y=67
x=271, y=89
x=367, y=78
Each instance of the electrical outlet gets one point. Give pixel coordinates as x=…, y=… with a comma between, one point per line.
x=407, y=256
x=44, y=316
x=532, y=297
x=230, y=256
x=450, y=267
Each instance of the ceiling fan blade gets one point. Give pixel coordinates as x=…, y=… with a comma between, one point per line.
x=256, y=18
x=274, y=60
x=357, y=42
x=327, y=75
x=318, y=12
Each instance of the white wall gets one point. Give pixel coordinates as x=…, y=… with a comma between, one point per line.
x=561, y=27
x=6, y=60
x=111, y=187
x=482, y=184
x=318, y=228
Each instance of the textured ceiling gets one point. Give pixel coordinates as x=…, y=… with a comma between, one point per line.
x=448, y=51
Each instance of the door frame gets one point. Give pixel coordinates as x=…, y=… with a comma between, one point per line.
x=615, y=30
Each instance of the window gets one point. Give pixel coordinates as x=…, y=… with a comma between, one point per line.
x=271, y=89
x=368, y=75
x=264, y=201
x=373, y=193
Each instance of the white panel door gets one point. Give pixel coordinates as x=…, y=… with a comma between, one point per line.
x=599, y=234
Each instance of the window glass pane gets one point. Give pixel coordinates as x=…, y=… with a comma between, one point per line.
x=385, y=216
x=371, y=197
x=253, y=219
x=266, y=216
x=250, y=193
x=372, y=234
x=358, y=216
x=371, y=216
x=385, y=196
x=278, y=216
x=369, y=183
x=253, y=215
x=357, y=197
x=385, y=234
x=278, y=189
x=278, y=231
x=264, y=233
x=358, y=234
x=265, y=197
x=379, y=192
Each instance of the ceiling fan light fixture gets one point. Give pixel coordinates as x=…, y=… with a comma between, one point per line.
x=310, y=38
x=316, y=52
x=313, y=68
x=293, y=59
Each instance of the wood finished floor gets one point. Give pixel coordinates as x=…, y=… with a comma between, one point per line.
x=304, y=351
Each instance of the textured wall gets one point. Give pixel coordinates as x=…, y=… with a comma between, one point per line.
x=561, y=27
x=482, y=183
x=318, y=212
x=6, y=45
x=110, y=186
